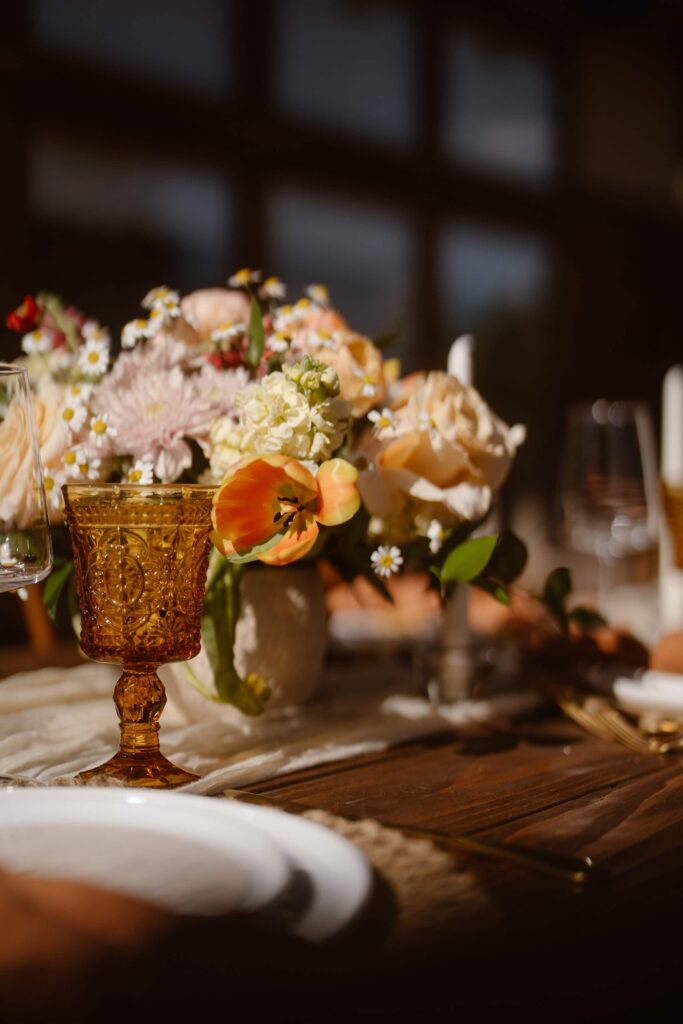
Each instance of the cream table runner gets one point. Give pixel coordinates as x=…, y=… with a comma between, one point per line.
x=57, y=721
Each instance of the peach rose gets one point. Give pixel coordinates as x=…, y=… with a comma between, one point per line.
x=360, y=369
x=17, y=494
x=445, y=455
x=323, y=318
x=209, y=308
x=402, y=390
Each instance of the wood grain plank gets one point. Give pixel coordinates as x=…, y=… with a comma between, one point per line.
x=474, y=785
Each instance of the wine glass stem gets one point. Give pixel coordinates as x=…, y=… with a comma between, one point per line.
x=604, y=585
x=140, y=698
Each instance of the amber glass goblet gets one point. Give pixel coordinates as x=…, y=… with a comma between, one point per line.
x=141, y=555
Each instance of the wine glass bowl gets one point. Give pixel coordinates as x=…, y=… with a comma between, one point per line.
x=608, y=488
x=141, y=555
x=25, y=545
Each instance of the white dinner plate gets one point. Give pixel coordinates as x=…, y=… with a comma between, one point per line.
x=189, y=854
x=174, y=851
x=339, y=874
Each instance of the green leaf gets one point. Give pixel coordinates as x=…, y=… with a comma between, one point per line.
x=256, y=550
x=256, y=334
x=54, y=586
x=558, y=587
x=219, y=621
x=587, y=619
x=495, y=589
x=468, y=560
x=457, y=535
x=509, y=559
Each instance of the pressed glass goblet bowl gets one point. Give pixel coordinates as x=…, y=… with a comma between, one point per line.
x=141, y=554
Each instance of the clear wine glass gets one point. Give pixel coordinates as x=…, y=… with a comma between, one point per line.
x=25, y=545
x=608, y=492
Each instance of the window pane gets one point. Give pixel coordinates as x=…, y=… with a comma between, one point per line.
x=498, y=108
x=485, y=273
x=113, y=225
x=175, y=41
x=362, y=254
x=495, y=285
x=346, y=64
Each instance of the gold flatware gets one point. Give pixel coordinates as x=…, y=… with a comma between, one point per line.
x=598, y=717
x=578, y=871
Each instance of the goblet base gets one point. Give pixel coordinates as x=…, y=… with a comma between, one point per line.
x=155, y=772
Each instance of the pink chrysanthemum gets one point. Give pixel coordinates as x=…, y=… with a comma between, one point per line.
x=155, y=407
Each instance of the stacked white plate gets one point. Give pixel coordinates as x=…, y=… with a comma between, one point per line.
x=188, y=854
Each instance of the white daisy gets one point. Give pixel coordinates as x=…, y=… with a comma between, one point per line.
x=93, y=358
x=385, y=422
x=285, y=318
x=74, y=414
x=425, y=422
x=80, y=464
x=134, y=331
x=92, y=331
x=386, y=560
x=320, y=339
x=101, y=429
x=158, y=295
x=318, y=293
x=38, y=341
x=244, y=277
x=369, y=389
x=79, y=392
x=273, y=288
x=60, y=359
x=228, y=331
x=53, y=489
x=435, y=535
x=168, y=308
x=279, y=342
x=141, y=473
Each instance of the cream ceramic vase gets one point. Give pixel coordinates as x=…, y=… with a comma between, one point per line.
x=281, y=634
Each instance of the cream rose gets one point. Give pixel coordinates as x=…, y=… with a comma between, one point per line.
x=445, y=456
x=17, y=493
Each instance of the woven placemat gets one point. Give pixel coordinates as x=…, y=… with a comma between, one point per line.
x=431, y=887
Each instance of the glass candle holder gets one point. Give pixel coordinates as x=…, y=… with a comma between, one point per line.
x=141, y=555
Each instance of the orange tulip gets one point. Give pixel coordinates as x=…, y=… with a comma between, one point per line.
x=269, y=507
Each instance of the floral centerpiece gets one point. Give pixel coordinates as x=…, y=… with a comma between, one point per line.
x=318, y=448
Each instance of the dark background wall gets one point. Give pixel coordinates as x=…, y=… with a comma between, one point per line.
x=511, y=169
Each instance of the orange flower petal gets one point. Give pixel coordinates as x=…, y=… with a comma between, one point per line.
x=224, y=546
x=292, y=546
x=245, y=505
x=300, y=476
x=338, y=497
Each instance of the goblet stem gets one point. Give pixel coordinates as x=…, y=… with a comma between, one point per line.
x=140, y=698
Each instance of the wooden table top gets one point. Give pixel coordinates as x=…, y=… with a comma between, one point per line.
x=553, y=950
x=547, y=786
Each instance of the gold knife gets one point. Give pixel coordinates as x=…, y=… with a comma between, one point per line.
x=578, y=871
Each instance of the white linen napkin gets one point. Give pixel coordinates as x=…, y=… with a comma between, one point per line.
x=58, y=721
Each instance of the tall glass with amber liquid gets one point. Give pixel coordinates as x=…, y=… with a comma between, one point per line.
x=141, y=555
